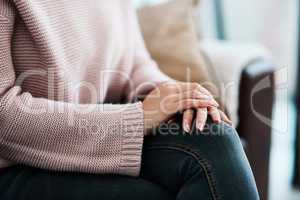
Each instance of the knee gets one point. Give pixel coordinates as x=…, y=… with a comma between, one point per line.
x=215, y=139
x=224, y=153
x=216, y=153
x=222, y=133
x=215, y=136
x=218, y=129
x=220, y=145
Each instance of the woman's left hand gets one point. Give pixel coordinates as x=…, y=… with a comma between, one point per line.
x=201, y=117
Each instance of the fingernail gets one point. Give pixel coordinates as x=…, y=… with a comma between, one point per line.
x=186, y=127
x=200, y=127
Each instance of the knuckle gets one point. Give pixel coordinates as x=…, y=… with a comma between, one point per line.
x=181, y=104
x=201, y=103
x=202, y=111
x=194, y=94
x=186, y=103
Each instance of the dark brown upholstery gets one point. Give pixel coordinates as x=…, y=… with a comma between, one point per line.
x=255, y=133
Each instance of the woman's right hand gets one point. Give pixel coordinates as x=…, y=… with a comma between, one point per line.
x=169, y=98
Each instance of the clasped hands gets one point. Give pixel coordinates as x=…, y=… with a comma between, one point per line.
x=192, y=99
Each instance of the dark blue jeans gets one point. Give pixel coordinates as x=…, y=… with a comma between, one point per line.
x=199, y=166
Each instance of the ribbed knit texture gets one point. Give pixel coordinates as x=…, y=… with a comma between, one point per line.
x=52, y=52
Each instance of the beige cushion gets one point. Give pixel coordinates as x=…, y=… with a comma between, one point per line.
x=171, y=37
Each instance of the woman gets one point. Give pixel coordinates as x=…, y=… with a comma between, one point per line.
x=62, y=65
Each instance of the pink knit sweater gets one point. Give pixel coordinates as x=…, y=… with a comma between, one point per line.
x=62, y=62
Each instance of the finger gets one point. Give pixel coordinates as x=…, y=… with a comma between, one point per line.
x=180, y=87
x=194, y=86
x=215, y=114
x=194, y=103
x=225, y=118
x=187, y=120
x=201, y=118
x=193, y=94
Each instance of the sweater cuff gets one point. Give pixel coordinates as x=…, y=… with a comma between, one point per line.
x=132, y=141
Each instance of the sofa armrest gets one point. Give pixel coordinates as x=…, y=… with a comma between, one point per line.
x=228, y=59
x=255, y=114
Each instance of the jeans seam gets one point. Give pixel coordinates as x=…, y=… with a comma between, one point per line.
x=202, y=162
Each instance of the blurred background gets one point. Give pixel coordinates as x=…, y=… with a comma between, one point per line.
x=274, y=25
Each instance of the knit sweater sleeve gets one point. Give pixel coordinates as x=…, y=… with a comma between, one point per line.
x=62, y=136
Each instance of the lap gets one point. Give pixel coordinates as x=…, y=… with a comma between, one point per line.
x=214, y=156
x=170, y=160
x=21, y=182
x=215, y=139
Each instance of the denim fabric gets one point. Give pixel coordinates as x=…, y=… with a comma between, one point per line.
x=210, y=165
